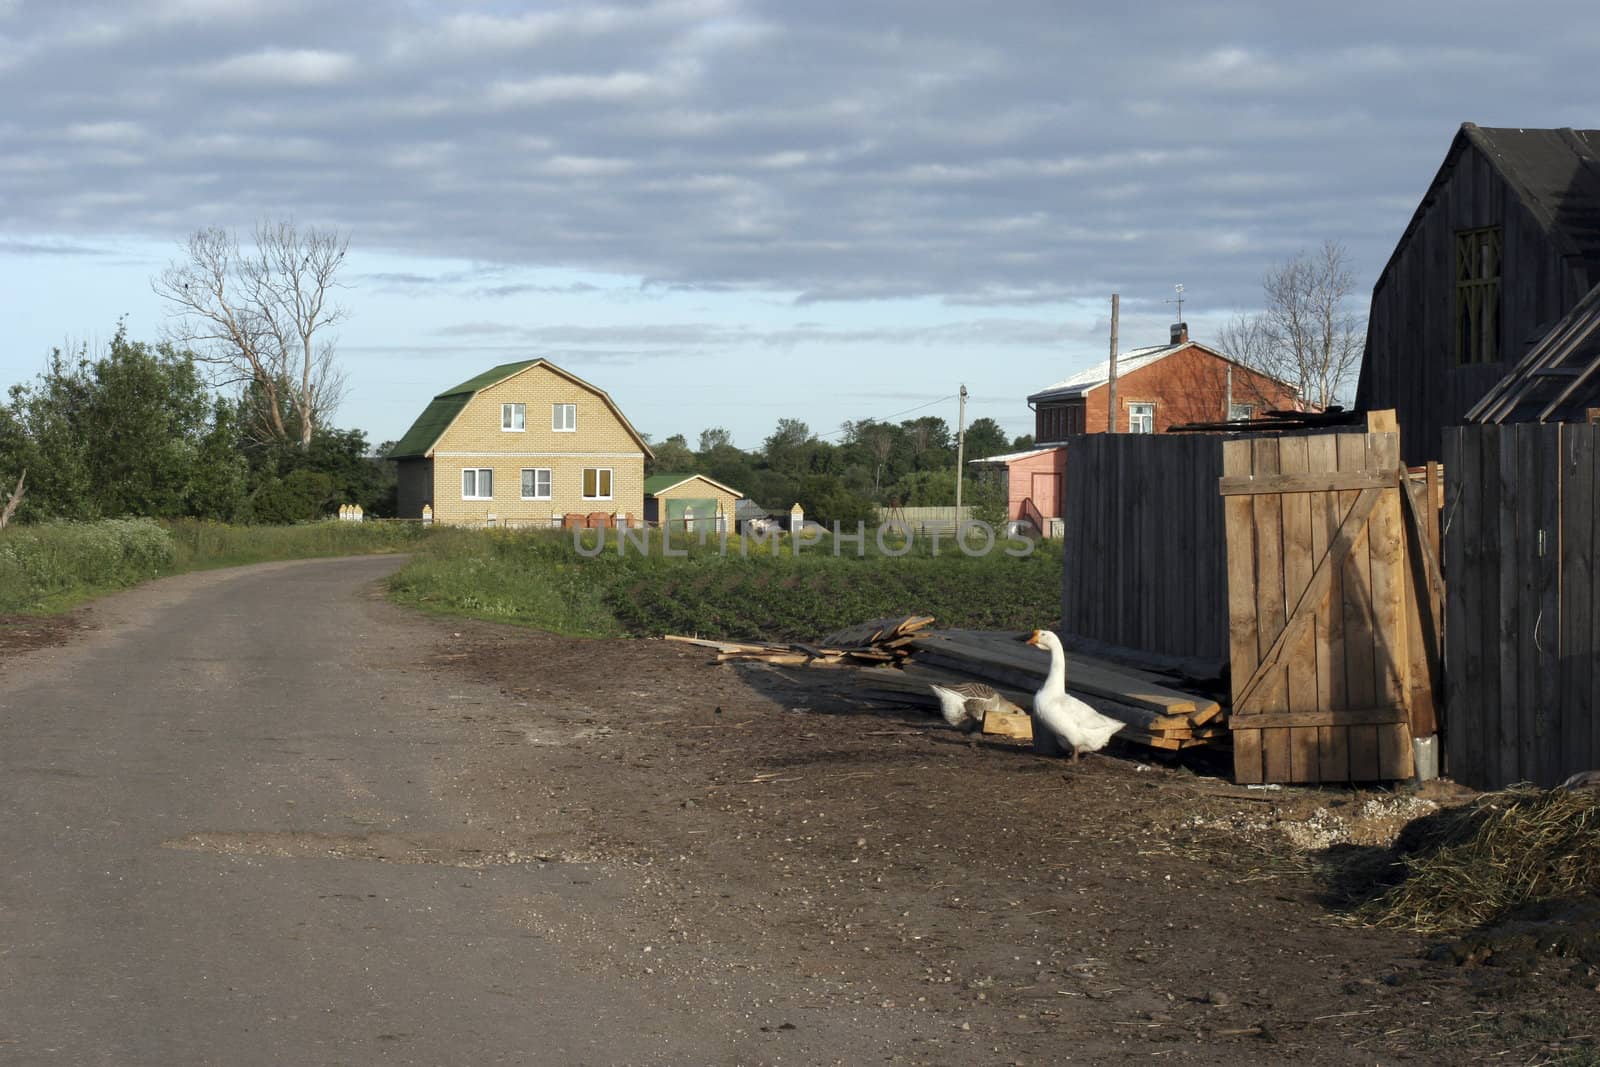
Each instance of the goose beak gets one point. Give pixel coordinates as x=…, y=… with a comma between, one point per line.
x=1033, y=639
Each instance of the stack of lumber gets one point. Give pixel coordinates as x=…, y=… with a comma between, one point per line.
x=904, y=658
x=1156, y=715
x=882, y=641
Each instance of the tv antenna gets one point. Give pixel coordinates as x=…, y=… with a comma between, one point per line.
x=1179, y=301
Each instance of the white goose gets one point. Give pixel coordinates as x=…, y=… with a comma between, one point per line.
x=965, y=704
x=1076, y=723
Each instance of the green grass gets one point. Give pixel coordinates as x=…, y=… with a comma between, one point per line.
x=54, y=566
x=538, y=579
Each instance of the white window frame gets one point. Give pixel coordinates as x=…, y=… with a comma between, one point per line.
x=549, y=481
x=513, y=418
x=1241, y=411
x=564, y=413
x=609, y=482
x=1141, y=415
x=477, y=481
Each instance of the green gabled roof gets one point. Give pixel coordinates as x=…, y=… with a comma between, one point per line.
x=442, y=410
x=660, y=483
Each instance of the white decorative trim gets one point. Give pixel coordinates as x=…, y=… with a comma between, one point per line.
x=546, y=455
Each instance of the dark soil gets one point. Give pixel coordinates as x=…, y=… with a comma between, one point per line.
x=1117, y=908
x=22, y=633
x=1035, y=910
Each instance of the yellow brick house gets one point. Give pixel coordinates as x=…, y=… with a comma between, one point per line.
x=522, y=444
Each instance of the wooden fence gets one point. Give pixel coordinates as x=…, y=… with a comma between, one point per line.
x=1327, y=647
x=1521, y=635
x=1143, y=537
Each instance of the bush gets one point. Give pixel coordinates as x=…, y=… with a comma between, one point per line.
x=41, y=566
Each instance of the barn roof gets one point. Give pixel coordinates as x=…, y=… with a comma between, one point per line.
x=1555, y=174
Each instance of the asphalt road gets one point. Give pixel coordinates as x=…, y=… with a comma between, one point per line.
x=224, y=838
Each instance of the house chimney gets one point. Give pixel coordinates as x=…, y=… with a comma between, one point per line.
x=1180, y=333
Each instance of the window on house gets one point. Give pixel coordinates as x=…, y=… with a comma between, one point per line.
x=564, y=417
x=1477, y=296
x=477, y=483
x=536, y=483
x=514, y=417
x=597, y=483
x=1141, y=418
x=1241, y=411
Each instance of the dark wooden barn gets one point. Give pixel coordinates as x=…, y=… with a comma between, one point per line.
x=1505, y=243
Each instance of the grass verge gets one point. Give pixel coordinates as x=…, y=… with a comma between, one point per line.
x=539, y=579
x=55, y=566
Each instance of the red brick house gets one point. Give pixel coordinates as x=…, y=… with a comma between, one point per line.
x=1159, y=387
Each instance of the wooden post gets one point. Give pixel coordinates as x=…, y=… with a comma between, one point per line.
x=961, y=446
x=1111, y=393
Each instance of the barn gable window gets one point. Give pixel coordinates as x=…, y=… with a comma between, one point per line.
x=1478, y=296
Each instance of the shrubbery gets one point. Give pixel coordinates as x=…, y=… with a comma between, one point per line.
x=40, y=564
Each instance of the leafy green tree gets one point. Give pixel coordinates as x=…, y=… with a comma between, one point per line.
x=1022, y=442
x=985, y=438
x=826, y=499
x=219, y=487
x=926, y=489
x=113, y=436
x=714, y=438
x=673, y=456
x=786, y=448
x=299, y=496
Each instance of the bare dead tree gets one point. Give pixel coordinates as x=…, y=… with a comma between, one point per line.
x=1307, y=336
x=16, y=500
x=260, y=317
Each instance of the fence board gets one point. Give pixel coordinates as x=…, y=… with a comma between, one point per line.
x=1145, y=559
x=1244, y=650
x=1522, y=635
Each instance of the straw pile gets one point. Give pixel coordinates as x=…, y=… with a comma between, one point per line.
x=1468, y=866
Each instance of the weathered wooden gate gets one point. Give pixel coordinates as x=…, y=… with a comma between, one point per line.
x=1323, y=675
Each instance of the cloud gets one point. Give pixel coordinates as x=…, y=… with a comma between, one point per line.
x=835, y=152
x=298, y=67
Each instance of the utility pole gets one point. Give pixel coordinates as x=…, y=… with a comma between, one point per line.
x=961, y=446
x=1111, y=394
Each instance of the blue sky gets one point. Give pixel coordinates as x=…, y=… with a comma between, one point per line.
x=726, y=212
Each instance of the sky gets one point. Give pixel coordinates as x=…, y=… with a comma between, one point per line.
x=727, y=212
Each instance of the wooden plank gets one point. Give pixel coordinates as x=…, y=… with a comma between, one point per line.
x=1271, y=609
x=1332, y=741
x=1592, y=593
x=1334, y=717
x=1360, y=688
x=1463, y=667
x=1549, y=709
x=1300, y=481
x=1243, y=642
x=1084, y=675
x=1386, y=548
x=1352, y=532
x=1300, y=653
x=1333, y=751
x=1507, y=645
x=1576, y=460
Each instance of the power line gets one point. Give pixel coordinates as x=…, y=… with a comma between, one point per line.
x=896, y=415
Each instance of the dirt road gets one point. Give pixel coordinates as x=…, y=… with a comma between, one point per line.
x=262, y=816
